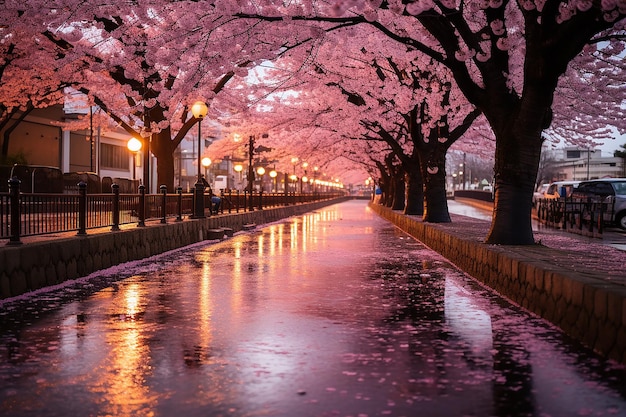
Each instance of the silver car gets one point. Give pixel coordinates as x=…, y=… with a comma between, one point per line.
x=612, y=191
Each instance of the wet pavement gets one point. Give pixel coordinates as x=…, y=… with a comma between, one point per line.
x=335, y=313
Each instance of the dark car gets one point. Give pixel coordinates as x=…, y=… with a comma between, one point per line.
x=611, y=191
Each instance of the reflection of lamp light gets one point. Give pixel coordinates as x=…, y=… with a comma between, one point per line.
x=199, y=111
x=134, y=145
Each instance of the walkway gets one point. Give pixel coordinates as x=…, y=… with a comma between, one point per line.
x=613, y=237
x=335, y=313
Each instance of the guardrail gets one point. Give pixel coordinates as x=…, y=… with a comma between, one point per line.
x=586, y=216
x=28, y=214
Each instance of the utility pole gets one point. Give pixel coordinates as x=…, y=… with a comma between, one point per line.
x=250, y=170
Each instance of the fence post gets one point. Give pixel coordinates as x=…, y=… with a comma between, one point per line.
x=16, y=215
x=116, y=207
x=601, y=218
x=179, y=216
x=163, y=189
x=261, y=199
x=142, y=206
x=286, y=190
x=82, y=208
x=245, y=200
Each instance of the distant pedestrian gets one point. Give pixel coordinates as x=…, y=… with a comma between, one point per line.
x=216, y=202
x=378, y=194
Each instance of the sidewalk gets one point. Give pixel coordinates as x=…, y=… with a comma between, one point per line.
x=613, y=237
x=577, y=283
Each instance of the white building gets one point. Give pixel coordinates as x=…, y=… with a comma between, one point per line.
x=578, y=164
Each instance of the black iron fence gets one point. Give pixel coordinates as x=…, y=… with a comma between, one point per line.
x=28, y=214
x=587, y=216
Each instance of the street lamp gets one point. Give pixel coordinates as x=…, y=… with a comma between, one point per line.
x=261, y=172
x=304, y=180
x=238, y=168
x=273, y=175
x=134, y=145
x=305, y=165
x=206, y=162
x=250, y=169
x=199, y=110
x=294, y=161
x=294, y=179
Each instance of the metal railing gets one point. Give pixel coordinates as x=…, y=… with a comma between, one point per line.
x=587, y=216
x=28, y=214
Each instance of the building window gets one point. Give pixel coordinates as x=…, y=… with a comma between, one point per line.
x=573, y=154
x=112, y=156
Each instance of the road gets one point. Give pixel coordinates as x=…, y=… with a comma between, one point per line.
x=335, y=313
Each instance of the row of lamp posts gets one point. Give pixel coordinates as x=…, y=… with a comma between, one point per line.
x=199, y=111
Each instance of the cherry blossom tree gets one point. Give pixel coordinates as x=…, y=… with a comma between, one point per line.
x=21, y=87
x=146, y=62
x=590, y=99
x=505, y=57
x=384, y=96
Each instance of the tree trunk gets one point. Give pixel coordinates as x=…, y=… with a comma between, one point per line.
x=163, y=148
x=165, y=171
x=414, y=191
x=435, y=198
x=9, y=130
x=517, y=161
x=399, y=191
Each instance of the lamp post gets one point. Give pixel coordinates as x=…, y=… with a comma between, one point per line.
x=273, y=175
x=250, y=169
x=134, y=145
x=294, y=177
x=199, y=111
x=304, y=178
x=261, y=172
x=206, y=163
x=238, y=168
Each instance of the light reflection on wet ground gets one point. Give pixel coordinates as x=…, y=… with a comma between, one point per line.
x=336, y=313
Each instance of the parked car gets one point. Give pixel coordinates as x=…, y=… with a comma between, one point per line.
x=555, y=190
x=537, y=195
x=610, y=190
x=561, y=189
